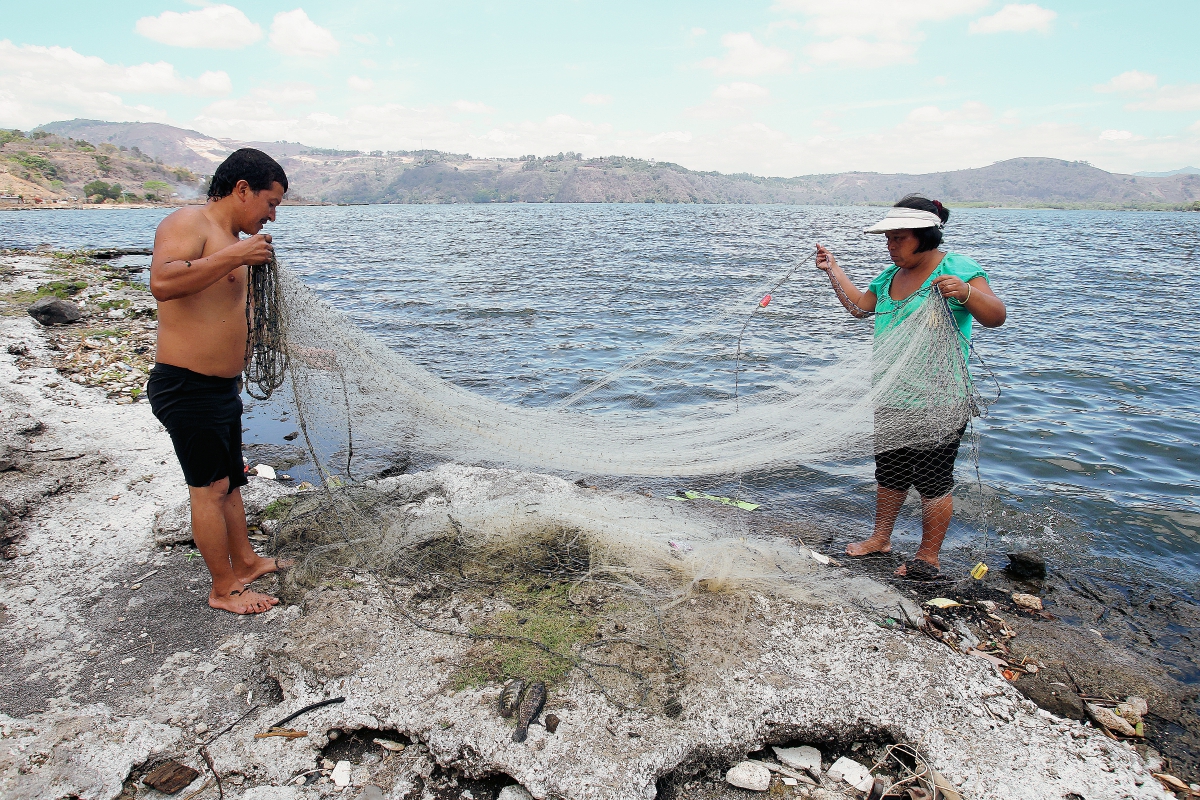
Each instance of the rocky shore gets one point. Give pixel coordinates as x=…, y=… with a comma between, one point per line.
x=112, y=665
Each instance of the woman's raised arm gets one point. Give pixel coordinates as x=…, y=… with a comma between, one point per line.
x=859, y=304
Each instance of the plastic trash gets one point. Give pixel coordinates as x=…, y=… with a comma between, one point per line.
x=853, y=773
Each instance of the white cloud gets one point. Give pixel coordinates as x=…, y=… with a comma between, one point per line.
x=365, y=38
x=220, y=27
x=733, y=99
x=881, y=18
x=927, y=138
x=39, y=84
x=1181, y=97
x=855, y=52
x=967, y=113
x=670, y=136
x=467, y=107
x=871, y=33
x=1132, y=81
x=288, y=94
x=596, y=99
x=1115, y=136
x=358, y=84
x=745, y=55
x=739, y=90
x=294, y=34
x=698, y=31
x=1015, y=18
x=1184, y=97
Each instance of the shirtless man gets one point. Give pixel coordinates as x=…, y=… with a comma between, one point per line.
x=199, y=277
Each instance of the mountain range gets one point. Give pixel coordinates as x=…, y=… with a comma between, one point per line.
x=427, y=176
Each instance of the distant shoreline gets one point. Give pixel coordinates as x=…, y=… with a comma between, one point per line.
x=1172, y=207
x=123, y=206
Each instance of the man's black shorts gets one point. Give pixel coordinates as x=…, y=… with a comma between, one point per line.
x=931, y=470
x=203, y=415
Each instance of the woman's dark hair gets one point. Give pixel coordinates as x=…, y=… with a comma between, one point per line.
x=927, y=238
x=252, y=166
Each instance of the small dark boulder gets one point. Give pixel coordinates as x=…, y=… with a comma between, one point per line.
x=54, y=311
x=170, y=777
x=1055, y=697
x=1026, y=565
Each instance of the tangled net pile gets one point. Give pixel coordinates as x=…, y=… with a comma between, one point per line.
x=517, y=517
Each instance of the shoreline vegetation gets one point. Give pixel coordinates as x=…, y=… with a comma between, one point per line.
x=112, y=664
x=351, y=177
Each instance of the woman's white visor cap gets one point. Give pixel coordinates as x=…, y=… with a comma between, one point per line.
x=901, y=218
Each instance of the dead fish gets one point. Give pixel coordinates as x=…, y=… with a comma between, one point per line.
x=510, y=697
x=531, y=706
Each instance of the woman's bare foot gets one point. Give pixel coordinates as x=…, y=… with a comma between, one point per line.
x=242, y=601
x=868, y=546
x=248, y=575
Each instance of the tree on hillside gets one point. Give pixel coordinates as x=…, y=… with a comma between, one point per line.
x=103, y=191
x=155, y=188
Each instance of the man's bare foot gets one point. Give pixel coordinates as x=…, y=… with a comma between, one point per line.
x=869, y=546
x=262, y=566
x=242, y=601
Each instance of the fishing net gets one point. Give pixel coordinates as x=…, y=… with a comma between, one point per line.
x=571, y=521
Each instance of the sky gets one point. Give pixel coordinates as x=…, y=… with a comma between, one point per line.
x=778, y=87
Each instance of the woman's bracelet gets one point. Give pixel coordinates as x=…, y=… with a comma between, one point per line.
x=966, y=299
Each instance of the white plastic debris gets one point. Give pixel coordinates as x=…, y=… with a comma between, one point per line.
x=341, y=774
x=852, y=772
x=804, y=758
x=265, y=471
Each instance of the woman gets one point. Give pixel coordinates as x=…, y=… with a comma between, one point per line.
x=913, y=228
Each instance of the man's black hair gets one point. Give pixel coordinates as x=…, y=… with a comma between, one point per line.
x=927, y=238
x=252, y=166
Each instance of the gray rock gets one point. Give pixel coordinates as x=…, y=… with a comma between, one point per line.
x=370, y=793
x=803, y=758
x=748, y=775
x=1057, y=699
x=514, y=792
x=54, y=311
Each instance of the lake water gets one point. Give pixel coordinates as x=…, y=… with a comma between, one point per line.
x=1091, y=452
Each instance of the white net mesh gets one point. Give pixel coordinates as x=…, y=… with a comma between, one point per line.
x=900, y=403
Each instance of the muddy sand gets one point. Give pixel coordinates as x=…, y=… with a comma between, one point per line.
x=112, y=664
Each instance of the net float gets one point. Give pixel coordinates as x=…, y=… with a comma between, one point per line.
x=766, y=301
